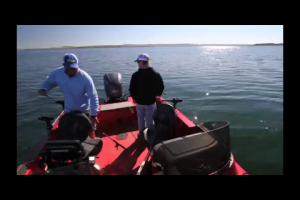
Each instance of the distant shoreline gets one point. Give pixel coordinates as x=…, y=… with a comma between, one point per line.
x=151, y=45
x=269, y=44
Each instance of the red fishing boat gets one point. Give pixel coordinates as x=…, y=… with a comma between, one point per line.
x=175, y=145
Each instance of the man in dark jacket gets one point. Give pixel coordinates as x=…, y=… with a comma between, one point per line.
x=145, y=85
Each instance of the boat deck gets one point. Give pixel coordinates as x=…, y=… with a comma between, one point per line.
x=115, y=160
x=117, y=129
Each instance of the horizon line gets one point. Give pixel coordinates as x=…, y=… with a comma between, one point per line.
x=146, y=45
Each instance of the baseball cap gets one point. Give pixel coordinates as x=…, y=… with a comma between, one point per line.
x=143, y=57
x=70, y=60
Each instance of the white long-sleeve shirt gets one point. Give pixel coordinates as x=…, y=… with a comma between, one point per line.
x=79, y=91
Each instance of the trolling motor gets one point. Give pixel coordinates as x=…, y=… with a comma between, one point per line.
x=62, y=103
x=175, y=101
x=48, y=121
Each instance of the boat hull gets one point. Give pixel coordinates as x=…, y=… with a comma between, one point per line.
x=121, y=118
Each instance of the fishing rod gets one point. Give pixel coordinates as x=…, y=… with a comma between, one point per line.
x=117, y=143
x=50, y=98
x=61, y=102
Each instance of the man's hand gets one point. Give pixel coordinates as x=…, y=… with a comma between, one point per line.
x=42, y=92
x=95, y=122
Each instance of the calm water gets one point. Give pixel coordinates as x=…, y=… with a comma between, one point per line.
x=243, y=85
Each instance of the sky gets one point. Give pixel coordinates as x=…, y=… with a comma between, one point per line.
x=44, y=36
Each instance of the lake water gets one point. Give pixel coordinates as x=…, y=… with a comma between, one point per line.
x=242, y=85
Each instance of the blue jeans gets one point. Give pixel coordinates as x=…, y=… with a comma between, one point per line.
x=145, y=115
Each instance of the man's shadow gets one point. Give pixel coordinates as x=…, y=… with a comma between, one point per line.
x=124, y=164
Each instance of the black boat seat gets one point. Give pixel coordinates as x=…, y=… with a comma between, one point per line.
x=116, y=106
x=92, y=147
x=74, y=125
x=154, y=136
x=163, y=122
x=70, y=150
x=200, y=153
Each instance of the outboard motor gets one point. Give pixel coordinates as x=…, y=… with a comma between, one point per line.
x=113, y=86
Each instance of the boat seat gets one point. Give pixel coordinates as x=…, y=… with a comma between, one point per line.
x=92, y=147
x=63, y=150
x=153, y=136
x=163, y=122
x=196, y=154
x=116, y=106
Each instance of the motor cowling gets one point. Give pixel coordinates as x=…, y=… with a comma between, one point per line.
x=113, y=85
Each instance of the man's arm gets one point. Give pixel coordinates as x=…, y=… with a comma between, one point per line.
x=132, y=87
x=93, y=96
x=160, y=84
x=48, y=84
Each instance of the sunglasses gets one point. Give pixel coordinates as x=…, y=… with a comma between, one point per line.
x=68, y=67
x=141, y=61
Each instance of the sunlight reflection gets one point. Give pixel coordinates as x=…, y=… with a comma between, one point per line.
x=220, y=47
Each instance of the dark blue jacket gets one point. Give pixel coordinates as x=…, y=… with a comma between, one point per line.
x=145, y=85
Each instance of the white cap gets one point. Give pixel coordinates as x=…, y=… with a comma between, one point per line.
x=143, y=57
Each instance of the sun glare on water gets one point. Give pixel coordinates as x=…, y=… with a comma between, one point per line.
x=220, y=47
